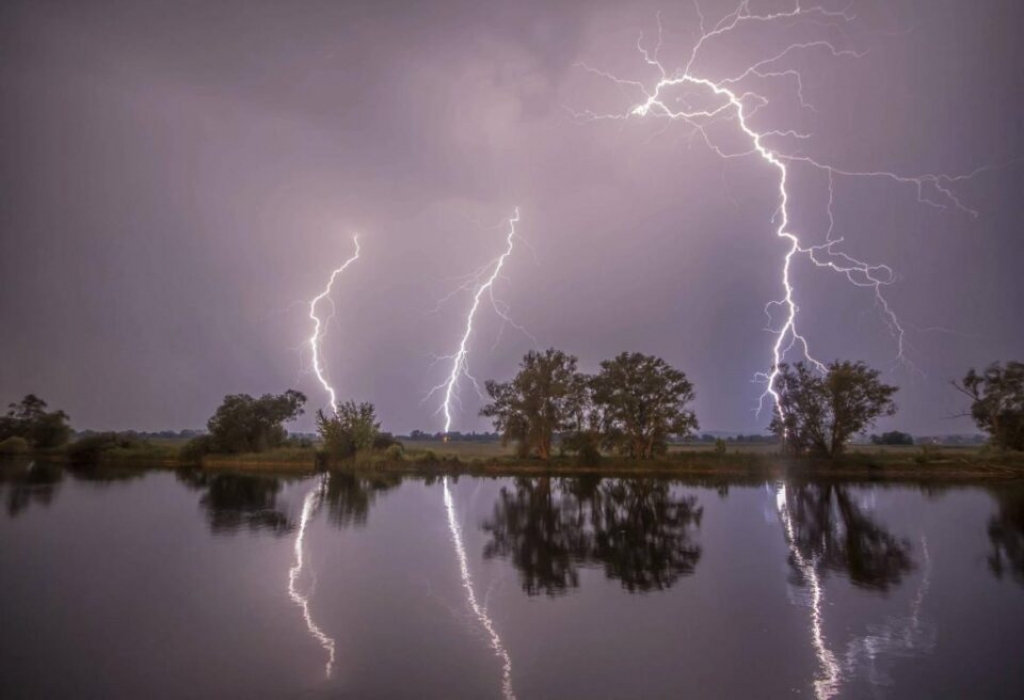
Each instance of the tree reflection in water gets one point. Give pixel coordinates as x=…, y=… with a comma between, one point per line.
x=833, y=531
x=1006, y=533
x=235, y=501
x=29, y=483
x=826, y=530
x=349, y=498
x=640, y=530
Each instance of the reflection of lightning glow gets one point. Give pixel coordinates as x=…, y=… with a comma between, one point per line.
x=897, y=637
x=827, y=683
x=320, y=326
x=902, y=636
x=672, y=97
x=460, y=367
x=467, y=585
x=302, y=600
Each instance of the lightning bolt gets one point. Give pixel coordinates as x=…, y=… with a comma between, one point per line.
x=471, y=599
x=459, y=365
x=309, y=506
x=723, y=100
x=320, y=327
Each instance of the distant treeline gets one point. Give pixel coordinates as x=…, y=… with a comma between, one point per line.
x=454, y=436
x=753, y=438
x=144, y=434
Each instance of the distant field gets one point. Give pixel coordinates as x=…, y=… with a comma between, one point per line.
x=462, y=450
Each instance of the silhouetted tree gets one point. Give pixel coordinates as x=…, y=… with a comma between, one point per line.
x=245, y=424
x=893, y=437
x=642, y=401
x=997, y=402
x=30, y=420
x=821, y=413
x=545, y=397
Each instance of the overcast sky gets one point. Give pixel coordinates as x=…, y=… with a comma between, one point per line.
x=177, y=177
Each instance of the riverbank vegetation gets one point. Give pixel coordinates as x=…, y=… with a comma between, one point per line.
x=633, y=416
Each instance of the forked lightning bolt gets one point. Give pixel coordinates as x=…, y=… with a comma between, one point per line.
x=459, y=365
x=671, y=96
x=320, y=327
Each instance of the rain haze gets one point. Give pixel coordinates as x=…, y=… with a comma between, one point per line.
x=180, y=178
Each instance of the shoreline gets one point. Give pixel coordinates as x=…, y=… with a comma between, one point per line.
x=738, y=466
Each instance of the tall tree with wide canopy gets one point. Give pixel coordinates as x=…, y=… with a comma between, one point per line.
x=246, y=424
x=997, y=402
x=547, y=396
x=820, y=412
x=641, y=400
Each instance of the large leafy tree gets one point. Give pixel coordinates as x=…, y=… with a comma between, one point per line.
x=30, y=421
x=641, y=401
x=820, y=412
x=997, y=402
x=547, y=396
x=353, y=427
x=246, y=424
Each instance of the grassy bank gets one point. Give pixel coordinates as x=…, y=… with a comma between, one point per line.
x=490, y=459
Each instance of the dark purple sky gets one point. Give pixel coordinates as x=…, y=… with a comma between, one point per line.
x=175, y=175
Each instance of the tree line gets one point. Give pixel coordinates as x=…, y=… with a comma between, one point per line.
x=633, y=406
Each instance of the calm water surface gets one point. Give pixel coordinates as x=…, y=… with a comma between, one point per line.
x=169, y=585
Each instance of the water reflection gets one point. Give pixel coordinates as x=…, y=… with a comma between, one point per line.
x=827, y=683
x=640, y=530
x=832, y=530
x=1006, y=533
x=826, y=530
x=29, y=483
x=349, y=498
x=897, y=637
x=309, y=507
x=470, y=590
x=235, y=501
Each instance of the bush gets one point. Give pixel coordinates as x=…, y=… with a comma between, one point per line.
x=395, y=452
x=88, y=449
x=193, y=451
x=14, y=446
x=927, y=454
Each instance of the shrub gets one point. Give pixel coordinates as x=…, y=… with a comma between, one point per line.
x=193, y=451
x=88, y=449
x=14, y=446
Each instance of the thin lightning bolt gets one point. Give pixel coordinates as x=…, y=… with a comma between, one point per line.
x=459, y=366
x=725, y=101
x=467, y=585
x=320, y=327
x=309, y=506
